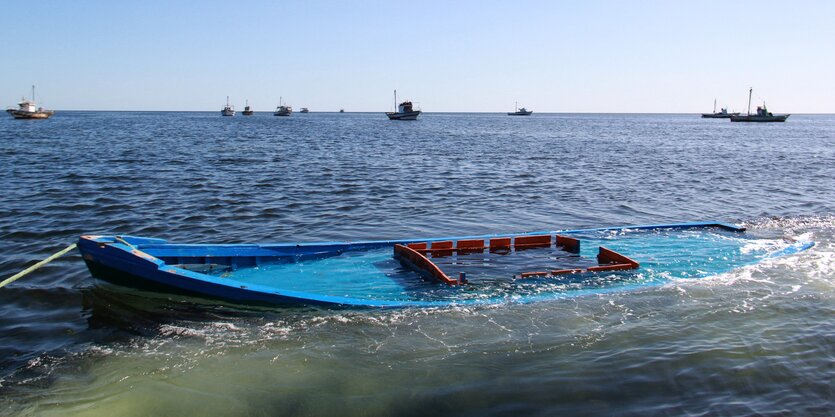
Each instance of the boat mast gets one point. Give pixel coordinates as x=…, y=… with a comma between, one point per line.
x=395, y=100
x=714, y=105
x=516, y=105
x=750, y=89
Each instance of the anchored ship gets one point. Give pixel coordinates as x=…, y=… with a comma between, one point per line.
x=403, y=111
x=28, y=110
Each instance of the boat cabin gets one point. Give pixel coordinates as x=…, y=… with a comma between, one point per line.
x=27, y=106
x=405, y=107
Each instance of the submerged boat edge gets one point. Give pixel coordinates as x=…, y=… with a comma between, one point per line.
x=120, y=260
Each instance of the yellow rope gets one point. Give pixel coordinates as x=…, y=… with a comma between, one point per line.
x=36, y=266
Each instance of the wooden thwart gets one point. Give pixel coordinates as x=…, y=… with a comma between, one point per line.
x=607, y=259
x=519, y=242
x=413, y=255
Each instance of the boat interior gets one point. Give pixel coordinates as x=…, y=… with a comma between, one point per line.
x=519, y=257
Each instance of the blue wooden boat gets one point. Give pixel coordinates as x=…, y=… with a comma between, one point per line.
x=467, y=270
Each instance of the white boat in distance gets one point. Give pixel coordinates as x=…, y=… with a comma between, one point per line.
x=404, y=111
x=28, y=110
x=282, y=109
x=228, y=109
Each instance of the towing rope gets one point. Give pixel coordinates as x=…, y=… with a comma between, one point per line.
x=37, y=265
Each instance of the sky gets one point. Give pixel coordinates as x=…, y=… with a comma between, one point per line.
x=446, y=56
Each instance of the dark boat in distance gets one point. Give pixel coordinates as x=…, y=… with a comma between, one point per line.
x=228, y=109
x=247, y=110
x=27, y=109
x=520, y=112
x=404, y=111
x=762, y=116
x=721, y=114
x=465, y=270
x=304, y=110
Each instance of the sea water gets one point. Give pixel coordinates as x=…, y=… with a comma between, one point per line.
x=755, y=340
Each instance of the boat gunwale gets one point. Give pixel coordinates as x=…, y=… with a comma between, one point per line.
x=370, y=244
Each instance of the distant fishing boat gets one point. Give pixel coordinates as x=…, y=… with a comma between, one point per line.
x=304, y=110
x=403, y=111
x=520, y=112
x=228, y=109
x=28, y=110
x=721, y=114
x=763, y=115
x=282, y=109
x=247, y=110
x=342, y=110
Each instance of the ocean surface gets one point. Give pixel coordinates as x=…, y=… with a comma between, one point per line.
x=759, y=340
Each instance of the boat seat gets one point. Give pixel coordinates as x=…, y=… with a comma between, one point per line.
x=470, y=245
x=607, y=260
x=525, y=242
x=500, y=243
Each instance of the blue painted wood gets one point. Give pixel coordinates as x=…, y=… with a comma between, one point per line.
x=128, y=264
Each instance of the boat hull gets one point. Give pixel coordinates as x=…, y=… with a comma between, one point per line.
x=718, y=115
x=225, y=271
x=761, y=119
x=520, y=113
x=412, y=115
x=20, y=114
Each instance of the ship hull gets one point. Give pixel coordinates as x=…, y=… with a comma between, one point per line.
x=412, y=115
x=18, y=114
x=718, y=115
x=761, y=119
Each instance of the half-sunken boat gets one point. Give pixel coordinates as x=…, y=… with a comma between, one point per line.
x=721, y=114
x=27, y=109
x=228, y=109
x=403, y=111
x=762, y=115
x=282, y=109
x=520, y=111
x=247, y=110
x=467, y=270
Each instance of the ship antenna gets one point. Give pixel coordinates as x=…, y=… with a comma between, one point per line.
x=395, y=100
x=750, y=90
